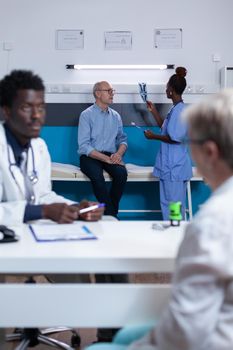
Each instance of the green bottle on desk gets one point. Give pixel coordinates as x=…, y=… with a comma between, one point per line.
x=175, y=215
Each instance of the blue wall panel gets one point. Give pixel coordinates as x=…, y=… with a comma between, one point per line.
x=62, y=144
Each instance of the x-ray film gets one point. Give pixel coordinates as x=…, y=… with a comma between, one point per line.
x=143, y=91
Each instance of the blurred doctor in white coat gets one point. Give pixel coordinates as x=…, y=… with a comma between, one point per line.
x=25, y=165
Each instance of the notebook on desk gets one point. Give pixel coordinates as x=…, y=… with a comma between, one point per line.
x=61, y=232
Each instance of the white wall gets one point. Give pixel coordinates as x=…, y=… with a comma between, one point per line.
x=30, y=26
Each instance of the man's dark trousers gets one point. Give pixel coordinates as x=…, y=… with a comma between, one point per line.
x=94, y=168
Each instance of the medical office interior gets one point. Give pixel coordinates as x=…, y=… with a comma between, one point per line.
x=46, y=36
x=29, y=39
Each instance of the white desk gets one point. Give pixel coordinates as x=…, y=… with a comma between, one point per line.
x=121, y=247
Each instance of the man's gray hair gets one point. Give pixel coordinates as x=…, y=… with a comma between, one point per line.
x=212, y=119
x=97, y=87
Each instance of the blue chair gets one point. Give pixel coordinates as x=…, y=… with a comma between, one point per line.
x=123, y=338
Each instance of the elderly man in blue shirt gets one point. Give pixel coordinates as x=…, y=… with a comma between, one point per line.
x=102, y=144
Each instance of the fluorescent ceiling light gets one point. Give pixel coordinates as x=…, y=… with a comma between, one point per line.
x=120, y=66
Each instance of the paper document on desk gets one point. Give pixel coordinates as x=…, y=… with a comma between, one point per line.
x=61, y=232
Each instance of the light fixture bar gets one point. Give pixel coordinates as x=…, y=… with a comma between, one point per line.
x=120, y=66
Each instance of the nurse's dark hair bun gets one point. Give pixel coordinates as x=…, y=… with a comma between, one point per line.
x=181, y=71
x=177, y=81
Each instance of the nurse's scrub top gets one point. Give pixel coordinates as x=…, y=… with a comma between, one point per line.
x=173, y=162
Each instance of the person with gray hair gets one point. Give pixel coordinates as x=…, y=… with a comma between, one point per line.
x=199, y=314
x=102, y=144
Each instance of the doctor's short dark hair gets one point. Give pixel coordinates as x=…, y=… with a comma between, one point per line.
x=15, y=81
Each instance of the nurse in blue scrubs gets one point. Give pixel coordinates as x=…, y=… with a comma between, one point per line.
x=173, y=164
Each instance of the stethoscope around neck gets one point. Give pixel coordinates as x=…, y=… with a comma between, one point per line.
x=33, y=177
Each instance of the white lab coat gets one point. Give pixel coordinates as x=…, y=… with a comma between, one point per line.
x=12, y=192
x=200, y=312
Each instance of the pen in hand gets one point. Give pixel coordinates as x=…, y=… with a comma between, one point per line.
x=92, y=207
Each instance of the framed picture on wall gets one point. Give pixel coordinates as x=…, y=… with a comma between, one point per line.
x=118, y=40
x=168, y=38
x=69, y=39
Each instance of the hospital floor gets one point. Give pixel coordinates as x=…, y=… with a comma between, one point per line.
x=87, y=335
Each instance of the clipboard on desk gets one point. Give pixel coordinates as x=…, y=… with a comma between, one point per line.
x=61, y=232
